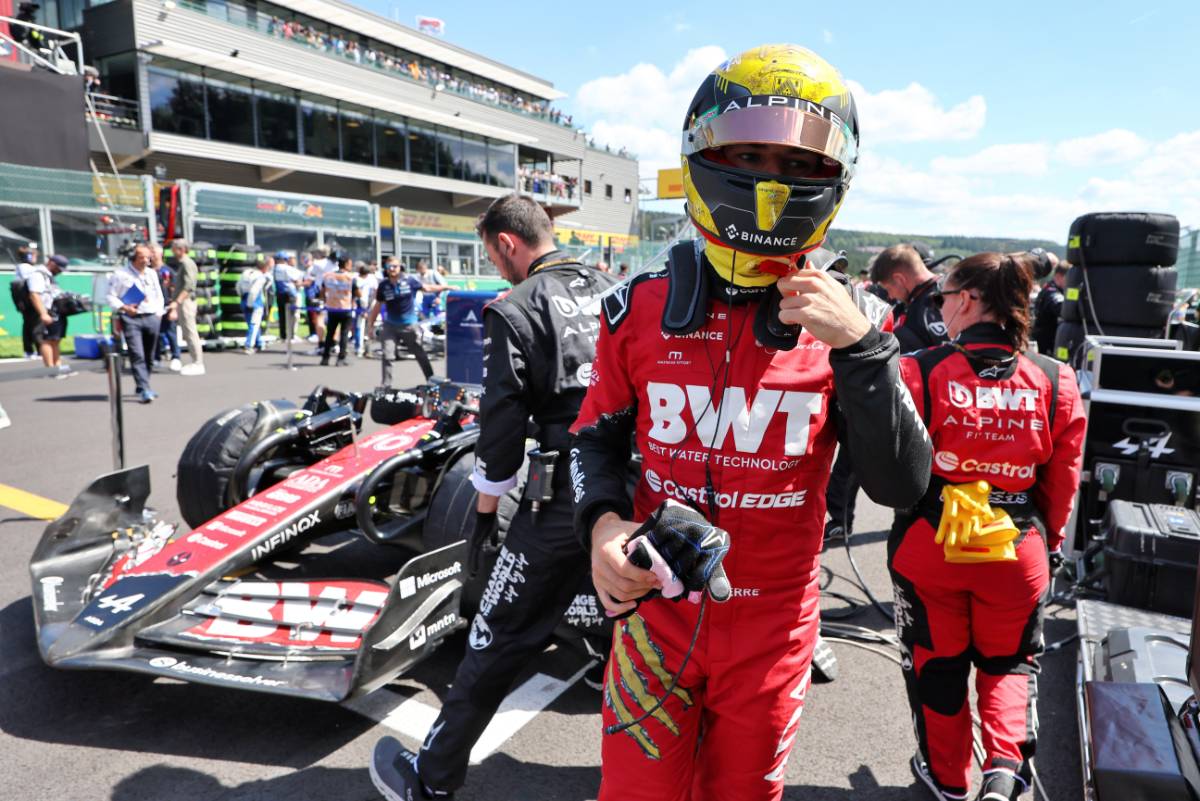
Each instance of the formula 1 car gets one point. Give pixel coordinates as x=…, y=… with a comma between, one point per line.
x=321, y=563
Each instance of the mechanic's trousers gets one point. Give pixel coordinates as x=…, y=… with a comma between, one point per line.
x=950, y=616
x=841, y=494
x=539, y=569
x=393, y=336
x=141, y=334
x=726, y=730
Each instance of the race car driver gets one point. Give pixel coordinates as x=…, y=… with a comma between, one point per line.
x=901, y=271
x=971, y=563
x=736, y=413
x=539, y=345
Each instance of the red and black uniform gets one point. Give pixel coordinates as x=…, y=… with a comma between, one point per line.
x=746, y=433
x=1016, y=422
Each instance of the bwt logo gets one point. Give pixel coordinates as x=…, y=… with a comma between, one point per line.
x=1002, y=398
x=747, y=422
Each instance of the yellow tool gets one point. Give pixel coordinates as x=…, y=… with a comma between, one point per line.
x=970, y=530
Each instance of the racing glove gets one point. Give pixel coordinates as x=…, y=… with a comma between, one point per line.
x=1056, y=561
x=684, y=550
x=486, y=531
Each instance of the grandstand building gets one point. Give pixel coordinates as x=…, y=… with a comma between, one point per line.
x=286, y=119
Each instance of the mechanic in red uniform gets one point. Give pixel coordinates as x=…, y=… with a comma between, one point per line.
x=736, y=413
x=1016, y=422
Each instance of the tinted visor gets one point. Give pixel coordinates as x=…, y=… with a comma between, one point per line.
x=775, y=120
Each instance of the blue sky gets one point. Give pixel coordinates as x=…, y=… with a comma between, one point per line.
x=978, y=118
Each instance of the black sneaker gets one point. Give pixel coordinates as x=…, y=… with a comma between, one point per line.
x=394, y=772
x=920, y=770
x=1000, y=785
x=834, y=530
x=594, y=676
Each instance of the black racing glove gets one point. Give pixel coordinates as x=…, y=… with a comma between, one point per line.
x=1056, y=561
x=691, y=547
x=486, y=531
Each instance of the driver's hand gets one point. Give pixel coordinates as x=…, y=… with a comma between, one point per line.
x=815, y=300
x=619, y=583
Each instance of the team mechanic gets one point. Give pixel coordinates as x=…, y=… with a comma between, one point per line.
x=540, y=342
x=736, y=413
x=971, y=562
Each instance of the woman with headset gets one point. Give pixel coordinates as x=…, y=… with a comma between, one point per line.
x=971, y=563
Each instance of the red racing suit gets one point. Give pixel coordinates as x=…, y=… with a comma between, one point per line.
x=1017, y=422
x=746, y=433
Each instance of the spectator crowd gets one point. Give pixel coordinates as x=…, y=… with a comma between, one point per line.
x=434, y=75
x=544, y=182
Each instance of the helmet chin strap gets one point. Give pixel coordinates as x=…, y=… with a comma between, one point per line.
x=748, y=269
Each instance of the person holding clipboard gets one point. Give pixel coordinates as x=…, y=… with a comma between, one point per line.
x=136, y=298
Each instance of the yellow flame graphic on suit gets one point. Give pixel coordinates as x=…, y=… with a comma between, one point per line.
x=624, y=673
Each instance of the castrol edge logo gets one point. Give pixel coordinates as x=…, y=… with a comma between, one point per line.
x=949, y=461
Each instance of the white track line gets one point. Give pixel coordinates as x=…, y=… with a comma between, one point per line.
x=414, y=718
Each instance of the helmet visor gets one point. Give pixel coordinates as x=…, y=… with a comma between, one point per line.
x=776, y=120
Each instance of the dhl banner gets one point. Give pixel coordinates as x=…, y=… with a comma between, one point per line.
x=670, y=184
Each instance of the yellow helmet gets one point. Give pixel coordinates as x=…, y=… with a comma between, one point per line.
x=770, y=95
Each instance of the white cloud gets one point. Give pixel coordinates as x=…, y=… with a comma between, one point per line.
x=890, y=195
x=1023, y=159
x=827, y=36
x=1110, y=147
x=914, y=114
x=680, y=27
x=642, y=109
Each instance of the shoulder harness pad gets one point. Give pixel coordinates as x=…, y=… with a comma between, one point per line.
x=687, y=289
x=1051, y=368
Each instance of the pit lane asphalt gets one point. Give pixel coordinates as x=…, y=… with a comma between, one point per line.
x=82, y=735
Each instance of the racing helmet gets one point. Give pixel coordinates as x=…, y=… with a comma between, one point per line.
x=773, y=95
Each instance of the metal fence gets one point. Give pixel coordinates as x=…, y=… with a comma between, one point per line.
x=38, y=186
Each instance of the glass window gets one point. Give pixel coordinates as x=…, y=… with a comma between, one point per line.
x=458, y=258
x=413, y=250
x=502, y=162
x=286, y=239
x=357, y=138
x=450, y=154
x=24, y=224
x=390, y=136
x=230, y=112
x=360, y=248
x=277, y=121
x=422, y=150
x=118, y=75
x=219, y=235
x=608, y=191
x=474, y=159
x=176, y=103
x=89, y=237
x=628, y=196
x=320, y=130
x=587, y=187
